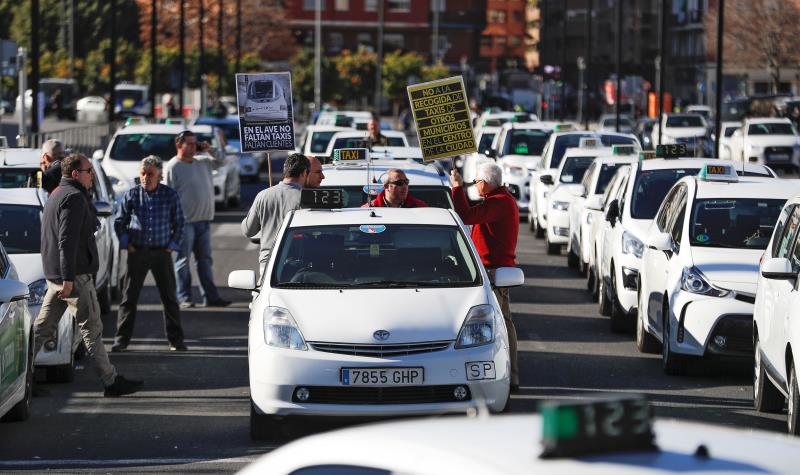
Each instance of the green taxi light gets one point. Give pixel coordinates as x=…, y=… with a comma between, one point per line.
x=647, y=155
x=623, y=149
x=564, y=127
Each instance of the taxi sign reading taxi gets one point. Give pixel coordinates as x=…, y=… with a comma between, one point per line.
x=348, y=154
x=442, y=116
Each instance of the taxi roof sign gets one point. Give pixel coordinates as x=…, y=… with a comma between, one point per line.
x=721, y=173
x=564, y=127
x=647, y=155
x=675, y=150
x=623, y=149
x=350, y=154
x=589, y=142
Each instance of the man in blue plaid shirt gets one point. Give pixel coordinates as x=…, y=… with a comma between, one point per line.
x=150, y=226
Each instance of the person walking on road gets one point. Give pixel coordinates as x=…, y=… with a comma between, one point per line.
x=50, y=163
x=266, y=215
x=150, y=226
x=192, y=180
x=375, y=137
x=395, y=193
x=495, y=225
x=69, y=257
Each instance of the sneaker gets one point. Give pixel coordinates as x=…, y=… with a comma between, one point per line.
x=178, y=347
x=217, y=303
x=185, y=305
x=119, y=346
x=122, y=386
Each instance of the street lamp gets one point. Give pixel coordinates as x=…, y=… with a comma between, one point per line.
x=582, y=87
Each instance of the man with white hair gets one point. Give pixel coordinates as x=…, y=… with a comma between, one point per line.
x=495, y=225
x=50, y=163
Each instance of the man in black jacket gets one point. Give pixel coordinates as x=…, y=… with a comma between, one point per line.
x=69, y=256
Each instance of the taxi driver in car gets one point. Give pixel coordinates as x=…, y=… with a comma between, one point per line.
x=395, y=193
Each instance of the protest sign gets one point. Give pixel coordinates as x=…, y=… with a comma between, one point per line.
x=442, y=116
x=266, y=119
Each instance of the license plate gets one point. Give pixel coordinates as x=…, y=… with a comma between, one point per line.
x=477, y=370
x=779, y=156
x=382, y=376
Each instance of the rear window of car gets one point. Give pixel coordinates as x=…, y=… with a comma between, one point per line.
x=771, y=129
x=134, y=147
x=20, y=228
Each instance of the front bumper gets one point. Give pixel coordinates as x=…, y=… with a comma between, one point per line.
x=275, y=374
x=775, y=157
x=557, y=226
x=700, y=319
x=627, y=272
x=65, y=341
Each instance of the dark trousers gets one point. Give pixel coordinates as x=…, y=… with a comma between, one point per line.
x=159, y=262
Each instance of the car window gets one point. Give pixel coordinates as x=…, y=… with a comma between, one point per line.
x=340, y=470
x=375, y=256
x=588, y=177
x=741, y=223
x=20, y=228
x=609, y=140
x=663, y=215
x=561, y=145
x=780, y=247
x=650, y=188
x=485, y=142
x=607, y=171
x=3, y=265
x=676, y=226
x=574, y=169
x=795, y=257
x=134, y=147
x=685, y=121
x=771, y=129
x=320, y=141
x=20, y=178
x=229, y=129
x=730, y=130
x=524, y=142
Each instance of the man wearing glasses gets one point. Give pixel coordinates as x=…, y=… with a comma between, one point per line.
x=69, y=257
x=50, y=164
x=395, y=193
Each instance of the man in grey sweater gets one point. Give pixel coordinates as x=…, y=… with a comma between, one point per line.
x=271, y=205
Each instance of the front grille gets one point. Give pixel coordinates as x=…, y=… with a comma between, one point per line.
x=784, y=153
x=381, y=351
x=397, y=395
x=738, y=331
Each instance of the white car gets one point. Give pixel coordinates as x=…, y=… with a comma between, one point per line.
x=91, y=109
x=776, y=332
x=265, y=102
x=358, y=120
x=767, y=141
x=315, y=139
x=131, y=99
x=517, y=445
x=727, y=130
x=686, y=129
x=628, y=219
x=358, y=139
x=702, y=110
x=225, y=165
x=699, y=269
x=16, y=340
x=608, y=123
x=583, y=208
x=323, y=340
x=557, y=145
x=362, y=181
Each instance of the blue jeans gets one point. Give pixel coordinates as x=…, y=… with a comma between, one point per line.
x=197, y=240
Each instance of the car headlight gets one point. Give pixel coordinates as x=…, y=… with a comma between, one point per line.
x=692, y=280
x=36, y=292
x=514, y=171
x=632, y=245
x=280, y=330
x=478, y=327
x=560, y=205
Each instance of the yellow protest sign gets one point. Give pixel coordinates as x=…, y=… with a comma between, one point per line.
x=442, y=116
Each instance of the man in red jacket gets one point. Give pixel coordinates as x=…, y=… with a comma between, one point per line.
x=495, y=224
x=395, y=193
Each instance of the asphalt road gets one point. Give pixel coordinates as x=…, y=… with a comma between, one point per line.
x=192, y=415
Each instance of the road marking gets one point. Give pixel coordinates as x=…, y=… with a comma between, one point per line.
x=127, y=462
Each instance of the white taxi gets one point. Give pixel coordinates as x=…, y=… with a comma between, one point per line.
x=697, y=282
x=584, y=209
x=371, y=312
x=767, y=140
x=627, y=221
x=315, y=139
x=357, y=138
x=776, y=329
x=557, y=145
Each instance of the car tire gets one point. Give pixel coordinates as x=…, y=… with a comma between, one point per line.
x=604, y=305
x=234, y=201
x=531, y=222
x=552, y=249
x=766, y=397
x=573, y=261
x=793, y=411
x=22, y=410
x=672, y=363
x=262, y=426
x=645, y=342
x=540, y=231
x=620, y=320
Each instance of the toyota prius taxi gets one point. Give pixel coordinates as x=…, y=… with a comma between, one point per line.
x=370, y=312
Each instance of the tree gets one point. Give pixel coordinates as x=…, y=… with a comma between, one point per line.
x=758, y=34
x=435, y=71
x=357, y=71
x=398, y=71
x=302, y=67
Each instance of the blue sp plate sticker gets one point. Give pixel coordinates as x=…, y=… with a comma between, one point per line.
x=372, y=190
x=372, y=228
x=346, y=376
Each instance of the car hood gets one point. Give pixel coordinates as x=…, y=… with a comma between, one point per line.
x=122, y=170
x=524, y=161
x=638, y=227
x=773, y=140
x=735, y=269
x=29, y=267
x=565, y=192
x=352, y=316
x=685, y=131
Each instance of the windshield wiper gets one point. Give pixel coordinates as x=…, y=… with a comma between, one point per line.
x=399, y=284
x=309, y=285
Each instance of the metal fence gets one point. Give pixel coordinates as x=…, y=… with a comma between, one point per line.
x=85, y=139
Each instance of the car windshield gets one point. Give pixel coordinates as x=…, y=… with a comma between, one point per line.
x=134, y=147
x=320, y=141
x=525, y=142
x=742, y=223
x=574, y=169
x=612, y=122
x=771, y=129
x=229, y=129
x=433, y=196
x=361, y=142
x=261, y=90
x=607, y=172
x=20, y=178
x=651, y=187
x=565, y=142
x=730, y=130
x=685, y=121
x=20, y=228
x=375, y=256
x=485, y=142
x=128, y=94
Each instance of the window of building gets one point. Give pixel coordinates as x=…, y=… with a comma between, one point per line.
x=342, y=5
x=364, y=39
x=497, y=16
x=500, y=41
x=311, y=5
x=370, y=5
x=518, y=16
x=514, y=41
x=335, y=41
x=399, y=5
x=393, y=41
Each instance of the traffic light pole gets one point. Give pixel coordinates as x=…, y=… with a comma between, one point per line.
x=718, y=106
x=618, y=99
x=663, y=65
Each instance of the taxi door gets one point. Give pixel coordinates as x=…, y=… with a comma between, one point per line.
x=612, y=234
x=577, y=207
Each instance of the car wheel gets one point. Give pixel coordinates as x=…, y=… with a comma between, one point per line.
x=766, y=397
x=540, y=231
x=63, y=373
x=602, y=297
x=672, y=363
x=574, y=261
x=793, y=419
x=262, y=426
x=620, y=321
x=22, y=409
x=234, y=201
x=531, y=222
x=590, y=281
x=646, y=342
x=552, y=249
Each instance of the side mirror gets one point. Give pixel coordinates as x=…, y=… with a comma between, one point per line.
x=104, y=209
x=778, y=268
x=546, y=179
x=490, y=153
x=595, y=202
x=13, y=290
x=659, y=241
x=612, y=213
x=508, y=277
x=98, y=154
x=242, y=279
